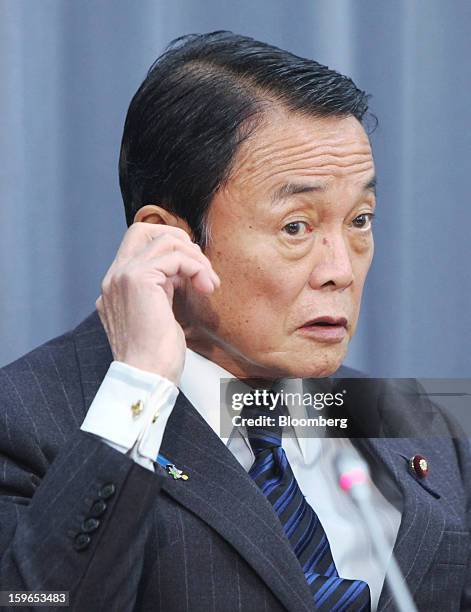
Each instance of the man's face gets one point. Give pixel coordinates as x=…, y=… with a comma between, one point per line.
x=291, y=240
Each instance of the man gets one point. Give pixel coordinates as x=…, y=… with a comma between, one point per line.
x=249, y=188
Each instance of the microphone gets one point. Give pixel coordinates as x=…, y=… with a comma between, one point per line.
x=354, y=479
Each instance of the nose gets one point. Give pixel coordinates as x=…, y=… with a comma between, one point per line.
x=333, y=262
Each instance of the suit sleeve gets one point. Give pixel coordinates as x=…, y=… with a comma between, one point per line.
x=72, y=521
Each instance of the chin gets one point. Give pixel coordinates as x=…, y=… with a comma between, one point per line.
x=316, y=366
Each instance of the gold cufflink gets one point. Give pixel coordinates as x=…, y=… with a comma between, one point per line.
x=137, y=408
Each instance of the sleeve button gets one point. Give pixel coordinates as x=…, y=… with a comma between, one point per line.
x=90, y=525
x=97, y=509
x=107, y=491
x=82, y=541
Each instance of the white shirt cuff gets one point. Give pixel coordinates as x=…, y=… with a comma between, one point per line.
x=131, y=410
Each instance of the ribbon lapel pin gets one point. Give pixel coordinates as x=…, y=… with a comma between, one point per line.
x=171, y=469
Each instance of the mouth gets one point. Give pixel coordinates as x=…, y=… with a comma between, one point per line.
x=326, y=329
x=327, y=321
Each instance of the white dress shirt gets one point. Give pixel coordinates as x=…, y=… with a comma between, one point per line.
x=130, y=412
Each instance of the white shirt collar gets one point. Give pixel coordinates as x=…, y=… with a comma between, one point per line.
x=200, y=382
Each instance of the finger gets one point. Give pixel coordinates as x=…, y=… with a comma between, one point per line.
x=175, y=267
x=167, y=243
x=140, y=234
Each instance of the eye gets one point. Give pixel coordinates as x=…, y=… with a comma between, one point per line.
x=363, y=221
x=297, y=228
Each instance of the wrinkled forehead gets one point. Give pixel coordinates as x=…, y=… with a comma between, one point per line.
x=290, y=145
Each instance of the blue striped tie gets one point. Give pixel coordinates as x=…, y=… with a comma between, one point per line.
x=272, y=473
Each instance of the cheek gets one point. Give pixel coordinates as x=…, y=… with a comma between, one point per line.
x=362, y=262
x=362, y=245
x=255, y=291
x=362, y=249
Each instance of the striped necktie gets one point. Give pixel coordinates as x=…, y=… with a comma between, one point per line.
x=273, y=474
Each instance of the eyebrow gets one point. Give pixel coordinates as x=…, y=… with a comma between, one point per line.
x=287, y=190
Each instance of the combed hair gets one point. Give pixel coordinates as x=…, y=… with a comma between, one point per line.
x=199, y=101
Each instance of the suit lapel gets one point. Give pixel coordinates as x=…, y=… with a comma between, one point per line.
x=222, y=494
x=426, y=502
x=218, y=490
x=424, y=510
x=384, y=410
x=381, y=411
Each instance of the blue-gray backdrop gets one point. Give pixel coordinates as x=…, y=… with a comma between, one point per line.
x=68, y=71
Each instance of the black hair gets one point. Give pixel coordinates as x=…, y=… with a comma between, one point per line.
x=199, y=101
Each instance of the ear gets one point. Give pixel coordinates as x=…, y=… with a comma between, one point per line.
x=151, y=213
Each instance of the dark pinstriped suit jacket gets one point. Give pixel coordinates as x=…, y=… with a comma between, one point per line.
x=212, y=543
